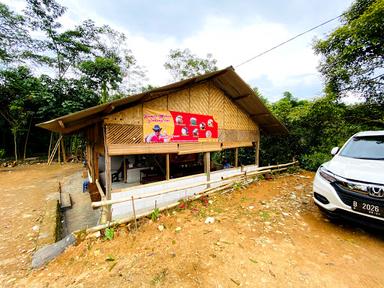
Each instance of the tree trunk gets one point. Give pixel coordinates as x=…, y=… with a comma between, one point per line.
x=26, y=139
x=104, y=93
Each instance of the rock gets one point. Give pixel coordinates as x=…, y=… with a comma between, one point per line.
x=178, y=229
x=210, y=202
x=251, y=207
x=35, y=228
x=285, y=214
x=160, y=227
x=209, y=220
x=49, y=252
x=293, y=196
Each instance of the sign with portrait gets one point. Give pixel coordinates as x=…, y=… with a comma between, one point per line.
x=172, y=126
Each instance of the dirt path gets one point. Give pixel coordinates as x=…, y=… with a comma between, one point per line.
x=24, y=191
x=268, y=235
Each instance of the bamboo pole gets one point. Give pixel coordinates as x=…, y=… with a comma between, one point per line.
x=125, y=199
x=130, y=218
x=101, y=192
x=207, y=166
x=50, y=146
x=54, y=152
x=59, y=151
x=134, y=212
x=204, y=192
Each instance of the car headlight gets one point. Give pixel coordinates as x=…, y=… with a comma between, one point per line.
x=327, y=175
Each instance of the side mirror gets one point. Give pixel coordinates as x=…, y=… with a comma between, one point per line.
x=334, y=151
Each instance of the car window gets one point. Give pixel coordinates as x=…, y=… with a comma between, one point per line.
x=367, y=147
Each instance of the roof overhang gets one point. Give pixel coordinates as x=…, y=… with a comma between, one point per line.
x=226, y=79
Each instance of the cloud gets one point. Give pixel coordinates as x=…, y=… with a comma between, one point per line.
x=232, y=37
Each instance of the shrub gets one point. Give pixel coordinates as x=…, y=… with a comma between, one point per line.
x=313, y=161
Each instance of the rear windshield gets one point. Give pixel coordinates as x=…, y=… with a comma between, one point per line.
x=368, y=147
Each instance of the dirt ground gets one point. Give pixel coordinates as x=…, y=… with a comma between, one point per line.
x=267, y=235
x=24, y=192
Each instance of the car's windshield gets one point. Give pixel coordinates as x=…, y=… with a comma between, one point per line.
x=367, y=147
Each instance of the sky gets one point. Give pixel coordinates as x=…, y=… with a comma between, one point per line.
x=232, y=31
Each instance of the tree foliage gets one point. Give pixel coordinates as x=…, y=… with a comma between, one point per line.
x=315, y=127
x=104, y=74
x=14, y=36
x=353, y=54
x=182, y=64
x=86, y=65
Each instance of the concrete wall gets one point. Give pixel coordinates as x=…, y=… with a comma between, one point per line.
x=124, y=209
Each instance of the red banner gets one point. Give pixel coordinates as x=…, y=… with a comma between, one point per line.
x=173, y=126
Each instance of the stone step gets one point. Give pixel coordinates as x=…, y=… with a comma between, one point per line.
x=65, y=200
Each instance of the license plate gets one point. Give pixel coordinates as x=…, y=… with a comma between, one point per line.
x=368, y=208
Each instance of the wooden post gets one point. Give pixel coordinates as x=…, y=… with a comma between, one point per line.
x=207, y=166
x=257, y=147
x=108, y=183
x=167, y=167
x=125, y=169
x=59, y=151
x=236, y=157
x=63, y=149
x=108, y=176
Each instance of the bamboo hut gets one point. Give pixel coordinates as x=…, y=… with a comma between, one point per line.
x=197, y=116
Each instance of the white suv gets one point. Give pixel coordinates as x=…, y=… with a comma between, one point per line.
x=351, y=185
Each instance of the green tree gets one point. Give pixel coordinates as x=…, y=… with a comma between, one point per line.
x=60, y=50
x=353, y=54
x=182, y=64
x=17, y=90
x=104, y=73
x=14, y=36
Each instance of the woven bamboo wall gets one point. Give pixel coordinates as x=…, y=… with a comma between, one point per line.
x=124, y=134
x=234, y=124
x=132, y=116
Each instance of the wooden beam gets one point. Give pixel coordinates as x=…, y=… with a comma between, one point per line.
x=236, y=157
x=145, y=148
x=167, y=167
x=61, y=124
x=109, y=109
x=241, y=97
x=270, y=125
x=259, y=115
x=80, y=125
x=228, y=145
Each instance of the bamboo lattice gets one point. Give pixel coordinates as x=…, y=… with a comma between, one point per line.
x=124, y=134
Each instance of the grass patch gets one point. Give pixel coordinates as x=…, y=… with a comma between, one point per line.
x=159, y=277
x=265, y=215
